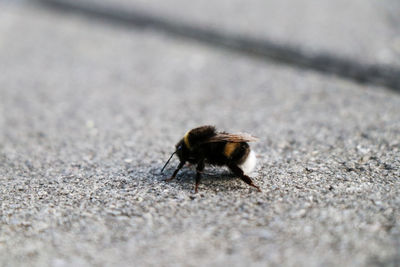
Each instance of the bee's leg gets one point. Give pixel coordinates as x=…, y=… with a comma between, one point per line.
x=239, y=172
x=176, y=171
x=199, y=170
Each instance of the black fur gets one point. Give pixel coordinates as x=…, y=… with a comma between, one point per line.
x=200, y=134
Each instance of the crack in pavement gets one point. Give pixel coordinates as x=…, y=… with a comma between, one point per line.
x=374, y=74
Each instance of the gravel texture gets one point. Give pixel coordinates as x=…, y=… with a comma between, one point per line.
x=90, y=112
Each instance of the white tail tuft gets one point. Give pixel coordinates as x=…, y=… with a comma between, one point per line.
x=248, y=165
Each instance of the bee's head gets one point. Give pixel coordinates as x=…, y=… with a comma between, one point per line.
x=181, y=150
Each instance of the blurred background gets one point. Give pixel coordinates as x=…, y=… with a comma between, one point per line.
x=95, y=93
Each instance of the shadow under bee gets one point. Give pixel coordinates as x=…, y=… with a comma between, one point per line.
x=213, y=179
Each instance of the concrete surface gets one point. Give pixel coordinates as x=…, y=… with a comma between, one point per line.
x=362, y=30
x=359, y=67
x=91, y=111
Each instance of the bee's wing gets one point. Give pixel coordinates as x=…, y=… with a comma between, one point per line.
x=234, y=138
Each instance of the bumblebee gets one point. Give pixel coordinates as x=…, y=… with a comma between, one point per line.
x=204, y=145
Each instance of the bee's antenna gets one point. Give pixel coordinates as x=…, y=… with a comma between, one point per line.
x=167, y=162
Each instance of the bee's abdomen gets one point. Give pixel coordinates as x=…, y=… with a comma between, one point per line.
x=230, y=149
x=240, y=154
x=236, y=152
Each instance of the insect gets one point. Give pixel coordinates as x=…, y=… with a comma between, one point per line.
x=205, y=145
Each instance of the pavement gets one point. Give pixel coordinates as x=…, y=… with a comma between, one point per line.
x=364, y=30
x=90, y=110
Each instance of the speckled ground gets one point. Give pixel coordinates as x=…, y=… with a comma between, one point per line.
x=90, y=112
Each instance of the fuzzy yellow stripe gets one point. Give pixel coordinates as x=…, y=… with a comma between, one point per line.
x=186, y=140
x=230, y=148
